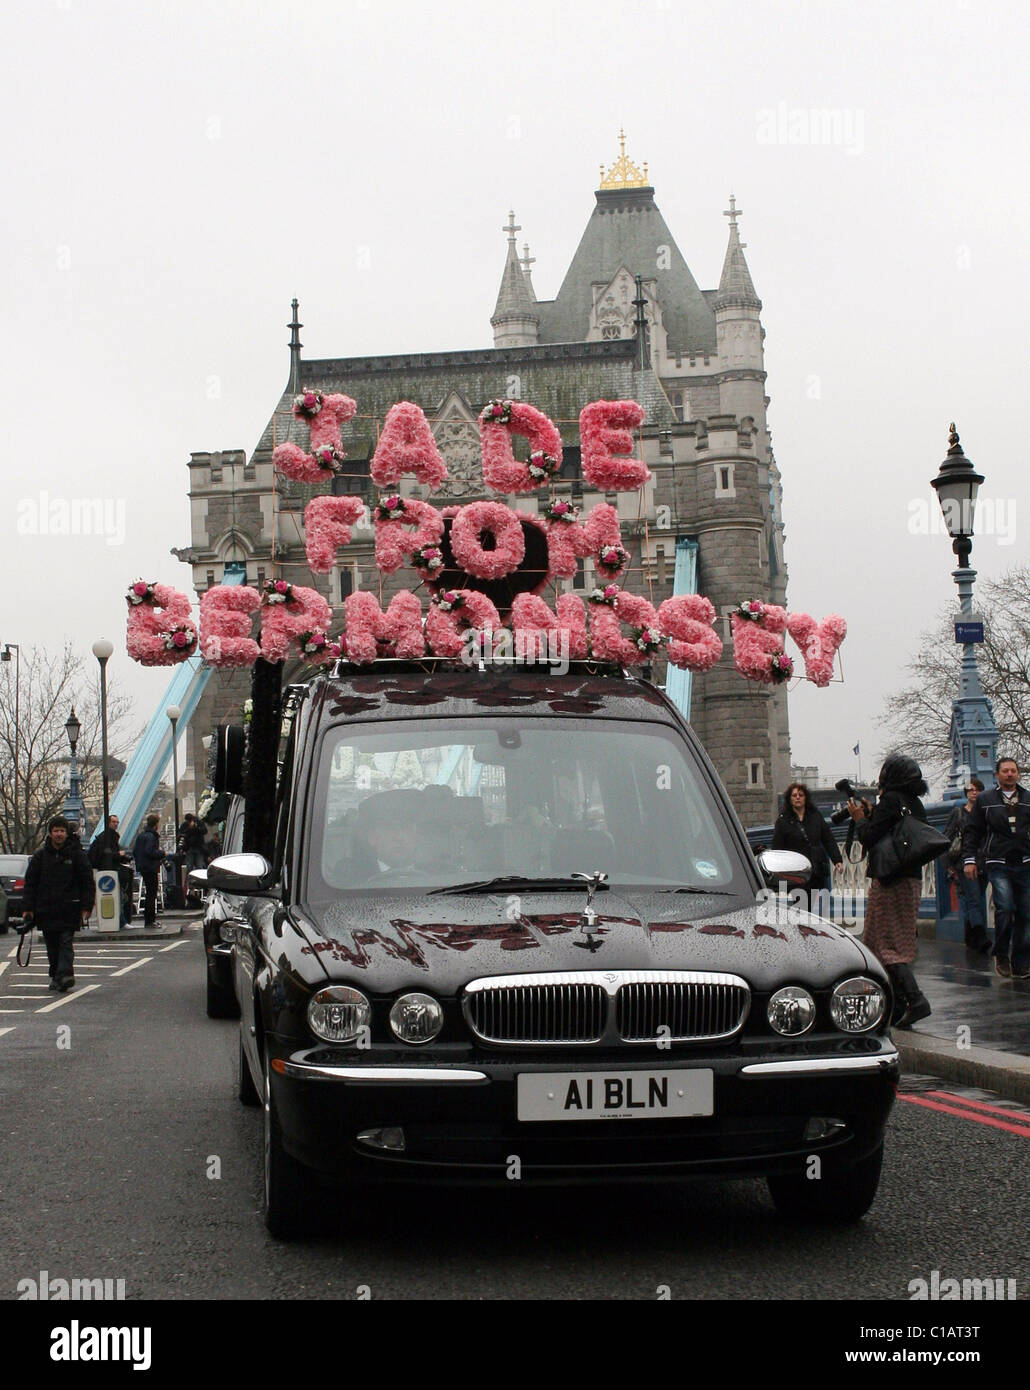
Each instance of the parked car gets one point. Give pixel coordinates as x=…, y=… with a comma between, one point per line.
x=220, y=912
x=12, y=881
x=512, y=913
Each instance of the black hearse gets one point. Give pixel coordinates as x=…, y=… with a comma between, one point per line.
x=508, y=915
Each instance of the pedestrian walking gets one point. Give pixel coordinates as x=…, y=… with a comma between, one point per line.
x=998, y=832
x=892, y=906
x=800, y=827
x=149, y=857
x=972, y=899
x=59, y=894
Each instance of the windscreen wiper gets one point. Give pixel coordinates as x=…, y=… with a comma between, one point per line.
x=706, y=892
x=489, y=885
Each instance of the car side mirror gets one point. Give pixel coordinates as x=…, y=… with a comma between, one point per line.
x=241, y=874
x=784, y=866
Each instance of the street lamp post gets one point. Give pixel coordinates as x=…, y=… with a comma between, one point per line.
x=974, y=734
x=102, y=650
x=74, y=809
x=5, y=655
x=173, y=712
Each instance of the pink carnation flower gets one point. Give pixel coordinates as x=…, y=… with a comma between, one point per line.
x=281, y=586
x=139, y=588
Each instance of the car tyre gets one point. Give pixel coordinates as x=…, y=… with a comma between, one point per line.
x=287, y=1182
x=221, y=1002
x=246, y=1091
x=840, y=1195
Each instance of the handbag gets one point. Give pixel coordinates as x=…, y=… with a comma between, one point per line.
x=909, y=845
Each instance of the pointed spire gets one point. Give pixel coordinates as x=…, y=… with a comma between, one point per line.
x=514, y=299
x=295, y=346
x=736, y=288
x=527, y=261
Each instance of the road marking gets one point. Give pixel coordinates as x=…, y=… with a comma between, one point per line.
x=1020, y=1116
x=171, y=947
x=4, y=965
x=75, y=994
x=12, y=1011
x=6, y=1030
x=134, y=966
x=1024, y=1130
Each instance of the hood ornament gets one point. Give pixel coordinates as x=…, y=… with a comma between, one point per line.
x=588, y=921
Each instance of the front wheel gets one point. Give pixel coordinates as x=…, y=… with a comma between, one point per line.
x=287, y=1182
x=835, y=1197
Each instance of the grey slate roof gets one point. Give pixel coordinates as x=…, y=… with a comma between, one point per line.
x=735, y=284
x=514, y=297
x=627, y=229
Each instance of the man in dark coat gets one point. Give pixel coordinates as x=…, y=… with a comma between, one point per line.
x=998, y=832
x=106, y=853
x=972, y=904
x=59, y=894
x=149, y=857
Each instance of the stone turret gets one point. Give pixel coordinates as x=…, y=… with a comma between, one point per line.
x=739, y=332
x=515, y=320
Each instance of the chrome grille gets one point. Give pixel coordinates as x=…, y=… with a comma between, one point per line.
x=588, y=1006
x=539, y=1013
x=691, y=1011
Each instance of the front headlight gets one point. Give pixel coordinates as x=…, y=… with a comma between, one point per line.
x=857, y=1005
x=416, y=1018
x=791, y=1011
x=338, y=1013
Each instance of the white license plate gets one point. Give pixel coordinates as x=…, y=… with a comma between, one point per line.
x=613, y=1095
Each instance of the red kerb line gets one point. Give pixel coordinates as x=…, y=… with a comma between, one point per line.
x=1024, y=1130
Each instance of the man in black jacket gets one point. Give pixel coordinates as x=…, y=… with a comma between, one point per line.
x=106, y=853
x=149, y=857
x=999, y=832
x=59, y=894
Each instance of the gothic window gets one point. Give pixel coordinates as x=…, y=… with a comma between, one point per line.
x=579, y=579
x=677, y=404
x=755, y=773
x=724, y=480
x=346, y=582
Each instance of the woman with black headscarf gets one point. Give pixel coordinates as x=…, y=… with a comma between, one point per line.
x=892, y=905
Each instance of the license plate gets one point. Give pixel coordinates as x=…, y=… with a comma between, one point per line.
x=613, y=1095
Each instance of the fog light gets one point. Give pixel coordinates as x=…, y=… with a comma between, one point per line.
x=857, y=1005
x=819, y=1127
x=791, y=1011
x=390, y=1138
x=339, y=1013
x=227, y=931
x=416, y=1018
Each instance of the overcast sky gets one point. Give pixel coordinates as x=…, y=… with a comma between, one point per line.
x=175, y=173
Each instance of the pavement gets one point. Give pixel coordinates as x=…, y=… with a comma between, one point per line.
x=979, y=1031
x=978, y=1034
x=169, y=924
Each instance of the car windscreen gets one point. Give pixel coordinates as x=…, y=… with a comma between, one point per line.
x=13, y=864
x=423, y=804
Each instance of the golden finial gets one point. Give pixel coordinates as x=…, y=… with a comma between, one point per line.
x=624, y=173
